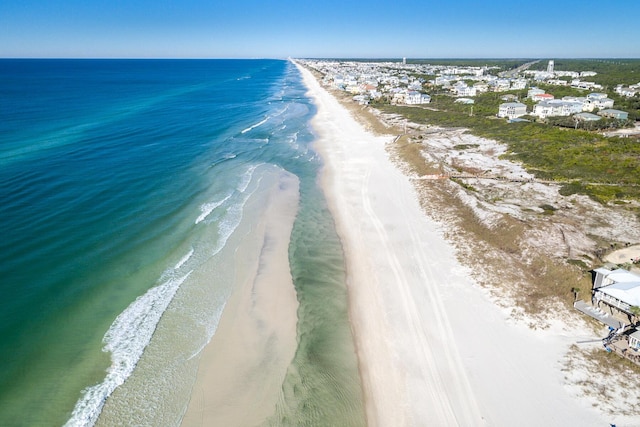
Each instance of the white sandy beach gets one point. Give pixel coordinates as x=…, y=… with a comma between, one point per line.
x=433, y=348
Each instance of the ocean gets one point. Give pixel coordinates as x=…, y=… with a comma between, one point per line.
x=124, y=185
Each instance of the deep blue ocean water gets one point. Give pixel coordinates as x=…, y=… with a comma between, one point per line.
x=120, y=182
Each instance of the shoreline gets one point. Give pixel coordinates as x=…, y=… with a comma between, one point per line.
x=246, y=361
x=432, y=346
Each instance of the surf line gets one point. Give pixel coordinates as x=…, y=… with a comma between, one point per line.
x=255, y=126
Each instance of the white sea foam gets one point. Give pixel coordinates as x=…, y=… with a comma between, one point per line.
x=211, y=329
x=228, y=224
x=225, y=158
x=183, y=260
x=260, y=123
x=277, y=114
x=207, y=208
x=246, y=179
x=133, y=329
x=126, y=340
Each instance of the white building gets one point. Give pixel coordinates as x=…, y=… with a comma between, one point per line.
x=481, y=87
x=550, y=67
x=500, y=85
x=462, y=89
x=542, y=97
x=579, y=84
x=416, y=98
x=445, y=80
x=556, y=107
x=512, y=110
x=518, y=84
x=533, y=92
x=599, y=101
x=618, y=288
x=626, y=91
x=634, y=340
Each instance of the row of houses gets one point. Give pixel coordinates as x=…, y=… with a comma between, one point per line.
x=399, y=83
x=557, y=108
x=628, y=91
x=548, y=106
x=487, y=84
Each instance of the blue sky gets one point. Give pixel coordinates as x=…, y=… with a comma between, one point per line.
x=320, y=28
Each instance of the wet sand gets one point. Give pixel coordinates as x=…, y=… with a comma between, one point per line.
x=241, y=370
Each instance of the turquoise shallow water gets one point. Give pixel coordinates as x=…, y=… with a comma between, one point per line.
x=122, y=183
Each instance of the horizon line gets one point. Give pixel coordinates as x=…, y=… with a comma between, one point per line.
x=334, y=58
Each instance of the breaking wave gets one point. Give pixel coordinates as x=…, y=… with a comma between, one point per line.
x=126, y=340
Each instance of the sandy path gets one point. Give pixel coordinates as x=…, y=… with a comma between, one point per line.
x=433, y=349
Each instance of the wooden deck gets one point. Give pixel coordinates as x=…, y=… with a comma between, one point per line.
x=621, y=347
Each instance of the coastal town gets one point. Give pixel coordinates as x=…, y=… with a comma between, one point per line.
x=614, y=297
x=404, y=83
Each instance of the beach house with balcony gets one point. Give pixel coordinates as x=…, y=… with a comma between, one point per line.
x=619, y=289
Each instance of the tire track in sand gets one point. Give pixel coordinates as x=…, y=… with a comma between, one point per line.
x=438, y=373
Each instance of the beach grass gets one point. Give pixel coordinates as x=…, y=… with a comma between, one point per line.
x=534, y=280
x=604, y=168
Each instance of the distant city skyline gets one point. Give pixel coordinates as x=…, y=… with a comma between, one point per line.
x=327, y=29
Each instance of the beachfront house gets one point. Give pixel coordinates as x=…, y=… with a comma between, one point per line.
x=512, y=110
x=599, y=101
x=619, y=289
